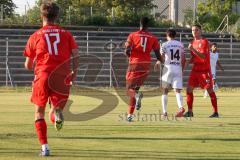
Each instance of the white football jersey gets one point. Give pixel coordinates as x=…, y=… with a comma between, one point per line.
x=174, y=51
x=213, y=61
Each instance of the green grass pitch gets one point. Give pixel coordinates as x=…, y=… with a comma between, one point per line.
x=111, y=137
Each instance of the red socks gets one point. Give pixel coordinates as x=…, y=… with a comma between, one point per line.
x=41, y=129
x=214, y=101
x=190, y=101
x=131, y=94
x=131, y=105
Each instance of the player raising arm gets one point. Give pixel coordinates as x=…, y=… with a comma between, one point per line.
x=47, y=50
x=138, y=48
x=201, y=73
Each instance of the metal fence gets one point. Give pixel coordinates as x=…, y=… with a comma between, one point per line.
x=102, y=60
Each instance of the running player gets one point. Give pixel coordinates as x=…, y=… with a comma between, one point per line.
x=138, y=48
x=201, y=72
x=48, y=49
x=173, y=55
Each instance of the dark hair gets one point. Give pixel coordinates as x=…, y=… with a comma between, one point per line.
x=198, y=26
x=214, y=44
x=171, y=33
x=49, y=10
x=144, y=22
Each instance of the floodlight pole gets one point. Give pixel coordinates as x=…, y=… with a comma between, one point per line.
x=174, y=11
x=160, y=69
x=6, y=61
x=91, y=11
x=113, y=16
x=110, y=64
x=1, y=13
x=154, y=13
x=231, y=46
x=194, y=11
x=87, y=42
x=69, y=15
x=25, y=16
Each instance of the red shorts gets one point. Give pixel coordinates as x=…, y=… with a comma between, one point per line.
x=200, y=79
x=137, y=74
x=47, y=87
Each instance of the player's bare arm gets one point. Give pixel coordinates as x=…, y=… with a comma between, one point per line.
x=29, y=64
x=183, y=62
x=201, y=55
x=159, y=60
x=75, y=55
x=127, y=51
x=219, y=65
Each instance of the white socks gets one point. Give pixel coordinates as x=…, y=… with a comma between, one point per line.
x=205, y=94
x=179, y=100
x=45, y=147
x=164, y=103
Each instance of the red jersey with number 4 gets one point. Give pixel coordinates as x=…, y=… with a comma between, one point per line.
x=201, y=64
x=141, y=43
x=50, y=47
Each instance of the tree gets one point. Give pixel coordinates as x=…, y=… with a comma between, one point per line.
x=33, y=14
x=125, y=12
x=8, y=8
x=211, y=13
x=98, y=12
x=188, y=17
x=128, y=12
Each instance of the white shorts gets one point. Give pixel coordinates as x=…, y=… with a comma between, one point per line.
x=173, y=79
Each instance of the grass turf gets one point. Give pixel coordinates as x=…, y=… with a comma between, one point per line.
x=109, y=136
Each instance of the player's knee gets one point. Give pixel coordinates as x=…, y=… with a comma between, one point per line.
x=189, y=89
x=165, y=91
x=61, y=104
x=137, y=89
x=177, y=90
x=210, y=90
x=39, y=113
x=131, y=92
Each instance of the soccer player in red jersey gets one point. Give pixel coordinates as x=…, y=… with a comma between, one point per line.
x=48, y=49
x=201, y=71
x=138, y=48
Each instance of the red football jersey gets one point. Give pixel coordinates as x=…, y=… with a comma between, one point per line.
x=200, y=64
x=50, y=47
x=141, y=43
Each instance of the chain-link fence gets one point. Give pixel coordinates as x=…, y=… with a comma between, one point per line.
x=166, y=13
x=179, y=11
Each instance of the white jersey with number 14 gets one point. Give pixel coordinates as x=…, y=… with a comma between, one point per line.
x=173, y=51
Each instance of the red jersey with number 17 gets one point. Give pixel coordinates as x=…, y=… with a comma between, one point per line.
x=141, y=43
x=50, y=47
x=201, y=64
